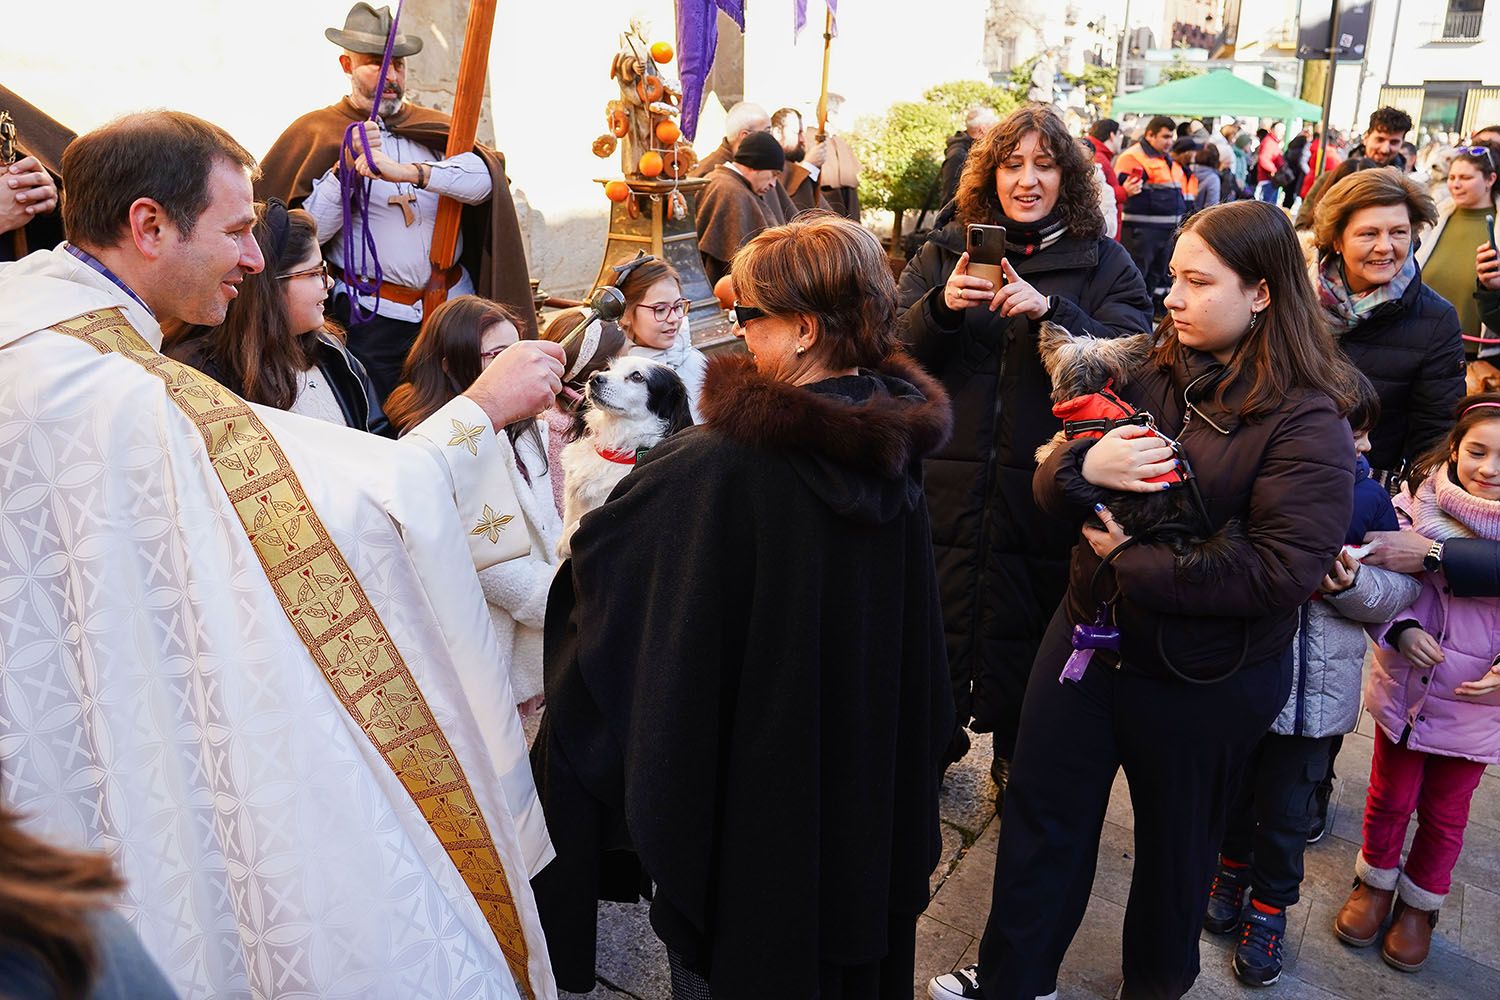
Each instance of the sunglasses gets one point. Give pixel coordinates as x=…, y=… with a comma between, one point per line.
x=321, y=271
x=740, y=315
x=1477, y=151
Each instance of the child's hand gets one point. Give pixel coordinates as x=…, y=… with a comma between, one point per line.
x=1421, y=649
x=1341, y=577
x=1489, y=682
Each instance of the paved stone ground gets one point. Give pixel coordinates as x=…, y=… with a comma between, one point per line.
x=1465, y=964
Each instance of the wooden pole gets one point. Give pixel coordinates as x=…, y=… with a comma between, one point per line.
x=823, y=97
x=467, y=100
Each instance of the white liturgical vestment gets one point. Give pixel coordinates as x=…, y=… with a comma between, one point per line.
x=156, y=703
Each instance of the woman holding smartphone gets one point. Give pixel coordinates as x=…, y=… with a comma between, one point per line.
x=1027, y=195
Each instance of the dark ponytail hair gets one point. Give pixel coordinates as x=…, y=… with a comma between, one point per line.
x=1470, y=412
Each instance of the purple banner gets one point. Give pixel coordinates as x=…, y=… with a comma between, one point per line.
x=799, y=15
x=697, y=40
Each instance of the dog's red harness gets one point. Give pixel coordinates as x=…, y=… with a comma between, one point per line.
x=618, y=457
x=1098, y=413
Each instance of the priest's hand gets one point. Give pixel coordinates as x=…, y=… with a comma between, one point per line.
x=817, y=150
x=521, y=382
x=27, y=193
x=389, y=169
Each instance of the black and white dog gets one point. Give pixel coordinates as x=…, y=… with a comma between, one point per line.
x=628, y=408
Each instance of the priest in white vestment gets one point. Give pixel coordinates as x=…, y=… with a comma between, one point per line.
x=156, y=702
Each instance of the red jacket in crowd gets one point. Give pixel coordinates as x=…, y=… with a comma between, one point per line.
x=1106, y=161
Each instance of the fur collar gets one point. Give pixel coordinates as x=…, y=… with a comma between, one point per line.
x=885, y=434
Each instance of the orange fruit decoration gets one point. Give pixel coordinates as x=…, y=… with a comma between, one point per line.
x=617, y=190
x=667, y=132
x=662, y=52
x=651, y=163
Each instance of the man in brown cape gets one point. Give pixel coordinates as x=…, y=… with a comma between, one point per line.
x=744, y=119
x=31, y=165
x=803, y=162
x=732, y=209
x=408, y=145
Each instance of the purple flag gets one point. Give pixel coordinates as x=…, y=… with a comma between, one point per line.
x=697, y=40
x=799, y=15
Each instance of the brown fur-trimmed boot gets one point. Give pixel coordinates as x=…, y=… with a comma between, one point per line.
x=1409, y=940
x=1364, y=912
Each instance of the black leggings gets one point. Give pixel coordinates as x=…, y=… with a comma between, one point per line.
x=1183, y=747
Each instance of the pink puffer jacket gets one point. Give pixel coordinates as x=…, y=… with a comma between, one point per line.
x=1400, y=695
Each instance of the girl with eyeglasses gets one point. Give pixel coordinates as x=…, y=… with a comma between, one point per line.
x=656, y=323
x=1447, y=256
x=275, y=346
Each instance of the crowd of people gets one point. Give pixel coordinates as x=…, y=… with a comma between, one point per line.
x=289, y=557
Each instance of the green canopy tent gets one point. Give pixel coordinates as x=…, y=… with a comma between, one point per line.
x=1214, y=95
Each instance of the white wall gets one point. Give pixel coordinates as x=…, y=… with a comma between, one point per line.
x=1404, y=56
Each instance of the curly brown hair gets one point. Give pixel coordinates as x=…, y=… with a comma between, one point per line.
x=1077, y=199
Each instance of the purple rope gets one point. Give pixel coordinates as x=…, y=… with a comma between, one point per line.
x=354, y=194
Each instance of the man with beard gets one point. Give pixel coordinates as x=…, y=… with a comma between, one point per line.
x=800, y=175
x=1381, y=143
x=408, y=172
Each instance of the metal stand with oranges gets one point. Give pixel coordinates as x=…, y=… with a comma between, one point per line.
x=654, y=205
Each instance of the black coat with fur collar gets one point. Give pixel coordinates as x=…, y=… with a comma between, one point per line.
x=747, y=686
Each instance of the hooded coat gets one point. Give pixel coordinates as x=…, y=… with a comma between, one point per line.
x=754, y=701
x=1001, y=562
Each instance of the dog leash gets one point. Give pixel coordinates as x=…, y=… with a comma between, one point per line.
x=354, y=196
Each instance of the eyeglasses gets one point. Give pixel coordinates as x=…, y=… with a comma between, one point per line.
x=1477, y=151
x=485, y=357
x=744, y=314
x=321, y=271
x=662, y=311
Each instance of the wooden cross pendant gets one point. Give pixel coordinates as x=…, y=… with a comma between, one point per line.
x=406, y=200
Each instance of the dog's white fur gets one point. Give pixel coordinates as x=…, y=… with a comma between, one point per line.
x=618, y=418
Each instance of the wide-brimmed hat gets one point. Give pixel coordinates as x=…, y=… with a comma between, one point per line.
x=366, y=30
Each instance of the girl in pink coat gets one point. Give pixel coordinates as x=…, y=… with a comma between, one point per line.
x=1434, y=692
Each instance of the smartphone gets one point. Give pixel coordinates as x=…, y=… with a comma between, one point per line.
x=986, y=251
x=1489, y=224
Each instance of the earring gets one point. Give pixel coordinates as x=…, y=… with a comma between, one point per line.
x=800, y=349
x=1255, y=318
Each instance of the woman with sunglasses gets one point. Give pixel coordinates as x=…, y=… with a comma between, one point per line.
x=655, y=321
x=1447, y=256
x=275, y=347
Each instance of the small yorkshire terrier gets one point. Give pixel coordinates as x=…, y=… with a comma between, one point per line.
x=1085, y=371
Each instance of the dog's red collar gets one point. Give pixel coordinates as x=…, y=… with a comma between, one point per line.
x=618, y=457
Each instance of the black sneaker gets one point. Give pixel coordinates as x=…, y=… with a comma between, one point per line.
x=962, y=984
x=1226, y=900
x=1257, y=960
x=1321, y=795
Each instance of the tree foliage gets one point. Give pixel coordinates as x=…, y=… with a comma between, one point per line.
x=901, y=152
x=1180, y=68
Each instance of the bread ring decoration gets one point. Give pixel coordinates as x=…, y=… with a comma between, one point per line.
x=649, y=89
x=604, y=145
x=619, y=123
x=677, y=162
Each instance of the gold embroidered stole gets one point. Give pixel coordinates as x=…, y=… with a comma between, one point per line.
x=334, y=618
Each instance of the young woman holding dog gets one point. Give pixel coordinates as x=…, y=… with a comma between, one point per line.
x=1003, y=562
x=457, y=341
x=1245, y=377
x=753, y=700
